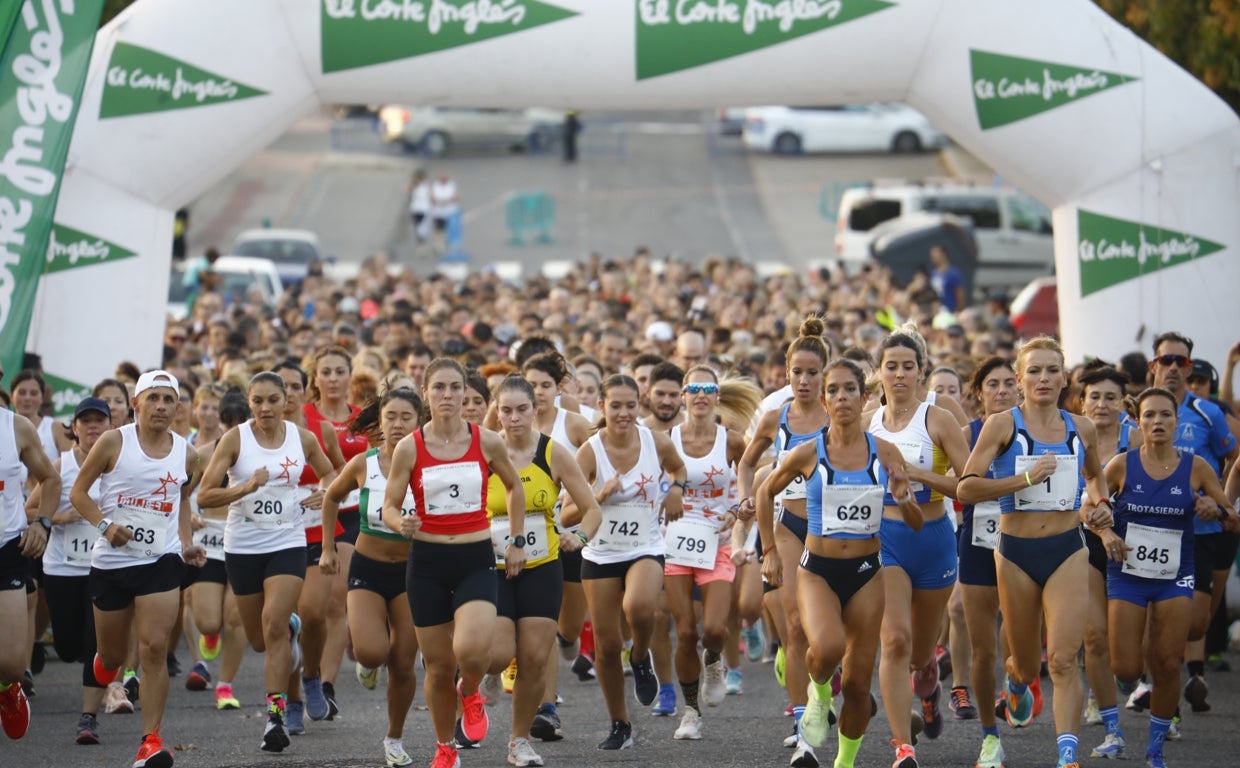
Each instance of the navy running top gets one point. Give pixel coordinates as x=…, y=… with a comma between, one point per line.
x=1167, y=504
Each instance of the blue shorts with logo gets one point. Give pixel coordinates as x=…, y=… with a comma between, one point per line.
x=1142, y=592
x=928, y=556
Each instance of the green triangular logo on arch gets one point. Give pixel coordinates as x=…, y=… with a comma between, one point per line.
x=1007, y=89
x=1112, y=251
x=674, y=36
x=69, y=248
x=140, y=80
x=360, y=33
x=66, y=394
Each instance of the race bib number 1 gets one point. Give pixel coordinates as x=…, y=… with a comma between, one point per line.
x=692, y=542
x=1054, y=494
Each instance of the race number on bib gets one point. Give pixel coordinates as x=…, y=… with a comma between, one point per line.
x=79, y=541
x=856, y=509
x=624, y=527
x=271, y=506
x=912, y=456
x=211, y=539
x=1155, y=552
x=692, y=542
x=310, y=518
x=452, y=489
x=986, y=524
x=374, y=511
x=536, y=544
x=148, y=530
x=1055, y=493
x=795, y=489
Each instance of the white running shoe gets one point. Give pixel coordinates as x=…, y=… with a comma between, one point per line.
x=1139, y=701
x=690, y=726
x=369, y=678
x=1091, y=715
x=395, y=754
x=522, y=755
x=492, y=687
x=804, y=756
x=714, y=686
x=1112, y=747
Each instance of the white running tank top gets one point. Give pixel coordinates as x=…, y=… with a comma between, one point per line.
x=69, y=546
x=712, y=485
x=12, y=478
x=630, y=526
x=270, y=519
x=142, y=493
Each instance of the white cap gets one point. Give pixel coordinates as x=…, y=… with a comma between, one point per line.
x=153, y=379
x=660, y=330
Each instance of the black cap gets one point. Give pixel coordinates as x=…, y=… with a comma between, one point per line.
x=91, y=404
x=1203, y=370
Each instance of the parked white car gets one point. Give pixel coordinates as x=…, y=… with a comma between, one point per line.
x=237, y=278
x=850, y=128
x=434, y=130
x=1013, y=231
x=291, y=250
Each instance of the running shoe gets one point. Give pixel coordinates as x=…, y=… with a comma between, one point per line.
x=1155, y=760
x=199, y=677
x=329, y=693
x=992, y=753
x=224, y=698
x=714, y=688
x=316, y=702
x=87, y=729
x=568, y=649
x=294, y=642
x=1092, y=715
x=461, y=740
x=14, y=711
x=583, y=668
x=509, y=676
x=103, y=675
x=962, y=708
x=1063, y=764
x=815, y=724
x=916, y=724
x=28, y=683
x=906, y=756
x=1217, y=662
x=38, y=657
x=115, y=702
x=1139, y=701
x=943, y=657
x=754, y=641
x=1111, y=748
x=474, y=720
x=666, y=704
x=209, y=647
x=626, y=661
x=790, y=741
x=690, y=728
x=275, y=738
x=133, y=686
x=295, y=718
x=931, y=714
x=803, y=756
x=1195, y=692
x=645, y=681
x=546, y=725
x=446, y=756
x=1173, y=731
x=369, y=678
x=174, y=665
x=734, y=682
x=522, y=755
x=780, y=665
x=1036, y=689
x=152, y=753
x=1019, y=710
x=620, y=737
x=394, y=753
x=491, y=688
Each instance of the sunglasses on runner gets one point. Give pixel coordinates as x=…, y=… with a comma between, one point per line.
x=1180, y=361
x=709, y=388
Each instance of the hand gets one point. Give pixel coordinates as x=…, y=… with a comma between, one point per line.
x=740, y=556
x=328, y=562
x=33, y=540
x=1206, y=508
x=314, y=500
x=409, y=525
x=258, y=479
x=1233, y=355
x=1096, y=515
x=194, y=555
x=773, y=568
x=1116, y=549
x=570, y=542
x=746, y=509
x=727, y=522
x=514, y=561
x=1044, y=468
x=1232, y=522
x=673, y=507
x=611, y=486
x=197, y=523
x=117, y=535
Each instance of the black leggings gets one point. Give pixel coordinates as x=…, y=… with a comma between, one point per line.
x=73, y=622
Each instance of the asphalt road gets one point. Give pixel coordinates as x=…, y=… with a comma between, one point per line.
x=745, y=731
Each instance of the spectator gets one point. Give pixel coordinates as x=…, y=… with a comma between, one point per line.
x=947, y=280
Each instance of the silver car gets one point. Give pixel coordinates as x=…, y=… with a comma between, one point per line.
x=434, y=130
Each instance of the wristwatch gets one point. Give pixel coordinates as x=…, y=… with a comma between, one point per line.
x=517, y=541
x=681, y=484
x=104, y=525
x=45, y=522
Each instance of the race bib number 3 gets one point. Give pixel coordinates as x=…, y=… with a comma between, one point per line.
x=1155, y=552
x=624, y=527
x=211, y=539
x=1054, y=494
x=692, y=542
x=271, y=506
x=79, y=541
x=452, y=489
x=856, y=509
x=986, y=525
x=536, y=544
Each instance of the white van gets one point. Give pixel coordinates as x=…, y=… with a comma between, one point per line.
x=1013, y=230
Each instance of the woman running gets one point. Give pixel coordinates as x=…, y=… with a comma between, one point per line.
x=264, y=550
x=797, y=422
x=529, y=603
x=28, y=388
x=380, y=623
x=622, y=569
x=919, y=567
x=847, y=473
x=994, y=387
x=137, y=566
x=699, y=551
x=451, y=574
x=1150, y=556
x=1037, y=452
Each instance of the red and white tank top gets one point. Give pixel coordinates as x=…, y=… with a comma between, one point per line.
x=451, y=494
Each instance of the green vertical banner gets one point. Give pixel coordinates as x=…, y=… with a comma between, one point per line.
x=8, y=16
x=42, y=71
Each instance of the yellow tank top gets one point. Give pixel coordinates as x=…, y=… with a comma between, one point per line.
x=541, y=493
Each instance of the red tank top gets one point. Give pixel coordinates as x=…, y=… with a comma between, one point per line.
x=451, y=494
x=314, y=423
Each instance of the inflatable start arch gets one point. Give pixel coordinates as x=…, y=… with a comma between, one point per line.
x=1136, y=157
